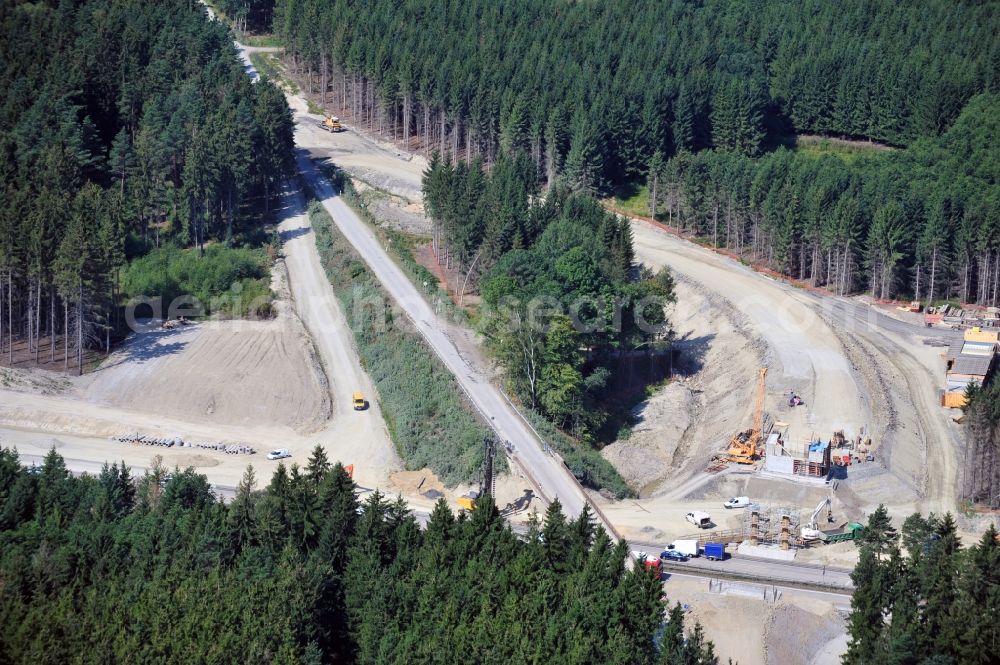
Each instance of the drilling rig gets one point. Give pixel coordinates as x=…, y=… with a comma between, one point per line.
x=743, y=448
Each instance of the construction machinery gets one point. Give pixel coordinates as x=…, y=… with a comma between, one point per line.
x=487, y=480
x=332, y=124
x=811, y=531
x=846, y=531
x=743, y=446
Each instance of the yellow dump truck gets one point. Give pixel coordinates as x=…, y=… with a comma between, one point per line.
x=332, y=124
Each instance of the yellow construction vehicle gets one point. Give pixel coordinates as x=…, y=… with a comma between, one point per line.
x=487, y=480
x=468, y=500
x=332, y=124
x=743, y=446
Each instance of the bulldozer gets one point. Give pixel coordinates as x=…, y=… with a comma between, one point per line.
x=332, y=124
x=743, y=446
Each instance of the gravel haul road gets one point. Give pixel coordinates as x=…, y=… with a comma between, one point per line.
x=806, y=356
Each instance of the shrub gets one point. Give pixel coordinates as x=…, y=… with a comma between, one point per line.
x=226, y=281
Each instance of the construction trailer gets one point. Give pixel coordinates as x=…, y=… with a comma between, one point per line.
x=971, y=359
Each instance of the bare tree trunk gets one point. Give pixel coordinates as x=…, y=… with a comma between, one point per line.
x=27, y=331
x=79, y=332
x=996, y=278
x=652, y=196
x=427, y=124
x=715, y=225
x=965, y=279
x=323, y=80
x=443, y=153
x=930, y=289
x=10, y=317
x=66, y=334
x=52, y=324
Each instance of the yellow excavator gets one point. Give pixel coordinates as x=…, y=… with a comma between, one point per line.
x=743, y=446
x=332, y=124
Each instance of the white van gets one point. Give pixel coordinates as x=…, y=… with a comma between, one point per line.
x=699, y=519
x=737, y=502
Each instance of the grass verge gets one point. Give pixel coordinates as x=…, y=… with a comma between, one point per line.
x=428, y=419
x=584, y=462
x=632, y=199
x=268, y=66
x=262, y=40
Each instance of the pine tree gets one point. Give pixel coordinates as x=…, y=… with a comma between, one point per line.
x=683, y=125
x=318, y=465
x=583, y=162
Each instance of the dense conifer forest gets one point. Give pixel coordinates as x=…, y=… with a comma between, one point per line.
x=922, y=222
x=922, y=598
x=124, y=126
x=613, y=82
x=301, y=571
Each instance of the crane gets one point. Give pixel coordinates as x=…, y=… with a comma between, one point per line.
x=811, y=531
x=743, y=446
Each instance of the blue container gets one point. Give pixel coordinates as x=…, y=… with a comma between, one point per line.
x=715, y=551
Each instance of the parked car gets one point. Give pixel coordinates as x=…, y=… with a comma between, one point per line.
x=737, y=502
x=280, y=453
x=672, y=555
x=699, y=519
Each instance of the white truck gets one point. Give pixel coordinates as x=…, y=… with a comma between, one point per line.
x=686, y=547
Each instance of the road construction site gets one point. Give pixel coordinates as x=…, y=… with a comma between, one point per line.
x=855, y=370
x=288, y=383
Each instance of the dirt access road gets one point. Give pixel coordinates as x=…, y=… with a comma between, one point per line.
x=376, y=163
x=805, y=355
x=549, y=476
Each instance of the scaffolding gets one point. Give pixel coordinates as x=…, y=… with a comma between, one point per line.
x=773, y=526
